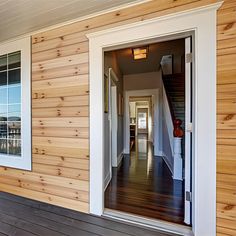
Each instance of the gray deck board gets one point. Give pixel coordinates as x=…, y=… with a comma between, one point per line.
x=21, y=216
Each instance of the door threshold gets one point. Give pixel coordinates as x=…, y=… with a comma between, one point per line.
x=150, y=223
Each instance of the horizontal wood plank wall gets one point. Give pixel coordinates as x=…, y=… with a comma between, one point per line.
x=60, y=110
x=226, y=122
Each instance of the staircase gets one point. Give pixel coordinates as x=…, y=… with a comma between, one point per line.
x=175, y=90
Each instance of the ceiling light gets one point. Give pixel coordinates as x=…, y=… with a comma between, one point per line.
x=140, y=53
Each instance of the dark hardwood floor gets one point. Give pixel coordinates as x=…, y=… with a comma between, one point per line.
x=143, y=185
x=23, y=217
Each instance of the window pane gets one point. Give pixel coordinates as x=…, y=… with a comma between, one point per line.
x=13, y=60
x=14, y=76
x=14, y=112
x=10, y=104
x=3, y=95
x=3, y=146
x=14, y=130
x=14, y=147
x=3, y=62
x=3, y=112
x=14, y=94
x=3, y=129
x=3, y=78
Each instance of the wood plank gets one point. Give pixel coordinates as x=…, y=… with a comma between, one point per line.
x=48, y=198
x=226, y=211
x=61, y=132
x=225, y=223
x=221, y=133
x=7, y=229
x=71, y=122
x=226, y=165
x=24, y=225
x=227, y=15
x=61, y=161
x=226, y=196
x=46, y=188
x=46, y=179
x=62, y=61
x=226, y=62
x=226, y=77
x=78, y=90
x=226, y=121
x=226, y=31
x=82, y=111
x=226, y=88
x=226, y=106
x=61, y=82
x=74, y=101
x=226, y=43
x=33, y=216
x=222, y=231
x=60, y=142
x=226, y=181
x=40, y=45
x=64, y=151
x=128, y=229
x=57, y=52
x=61, y=87
x=63, y=71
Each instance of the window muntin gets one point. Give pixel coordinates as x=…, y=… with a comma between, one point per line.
x=10, y=104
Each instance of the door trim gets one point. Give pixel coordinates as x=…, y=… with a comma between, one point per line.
x=202, y=22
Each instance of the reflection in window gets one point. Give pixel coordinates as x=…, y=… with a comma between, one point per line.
x=10, y=104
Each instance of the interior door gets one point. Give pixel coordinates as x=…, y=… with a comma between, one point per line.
x=188, y=129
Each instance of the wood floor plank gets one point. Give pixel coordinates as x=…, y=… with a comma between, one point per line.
x=29, y=227
x=147, y=192
x=73, y=216
x=33, y=216
x=13, y=231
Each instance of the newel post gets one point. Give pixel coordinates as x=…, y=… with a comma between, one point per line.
x=178, y=161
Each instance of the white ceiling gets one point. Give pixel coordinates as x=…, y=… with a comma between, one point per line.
x=18, y=17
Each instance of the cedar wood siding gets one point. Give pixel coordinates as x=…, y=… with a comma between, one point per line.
x=60, y=110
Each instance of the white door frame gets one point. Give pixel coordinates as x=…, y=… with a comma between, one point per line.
x=154, y=93
x=201, y=21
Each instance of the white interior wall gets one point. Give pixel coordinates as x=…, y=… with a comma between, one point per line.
x=110, y=61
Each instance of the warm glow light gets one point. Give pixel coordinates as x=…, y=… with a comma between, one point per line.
x=140, y=56
x=140, y=53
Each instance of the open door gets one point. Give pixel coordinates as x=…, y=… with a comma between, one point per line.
x=113, y=118
x=188, y=129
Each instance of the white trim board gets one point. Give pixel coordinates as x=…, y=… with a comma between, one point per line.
x=201, y=21
x=148, y=222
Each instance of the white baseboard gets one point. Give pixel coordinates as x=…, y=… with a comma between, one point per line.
x=119, y=158
x=167, y=162
x=107, y=180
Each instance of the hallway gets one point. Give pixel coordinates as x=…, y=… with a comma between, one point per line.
x=142, y=184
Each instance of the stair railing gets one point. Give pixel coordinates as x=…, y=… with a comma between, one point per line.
x=175, y=133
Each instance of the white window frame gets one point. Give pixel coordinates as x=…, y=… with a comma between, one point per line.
x=201, y=21
x=24, y=161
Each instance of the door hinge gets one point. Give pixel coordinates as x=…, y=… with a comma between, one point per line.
x=189, y=57
x=189, y=127
x=188, y=196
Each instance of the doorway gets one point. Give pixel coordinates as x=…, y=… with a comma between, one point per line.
x=206, y=79
x=148, y=179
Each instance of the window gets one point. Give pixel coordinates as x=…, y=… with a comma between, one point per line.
x=142, y=120
x=15, y=104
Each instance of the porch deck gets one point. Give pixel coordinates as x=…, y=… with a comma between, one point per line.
x=23, y=217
